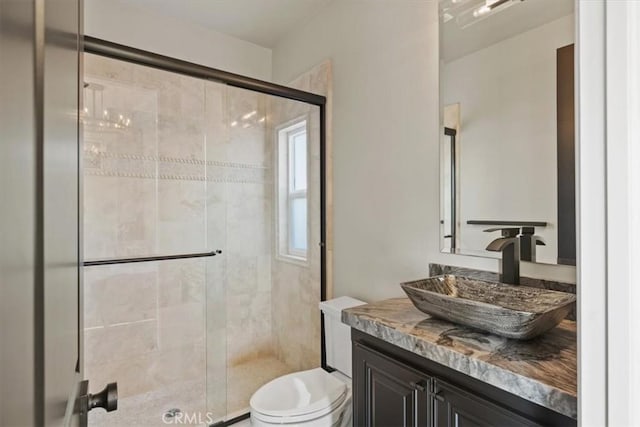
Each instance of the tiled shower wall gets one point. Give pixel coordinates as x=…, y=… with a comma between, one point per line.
x=177, y=179
x=145, y=322
x=296, y=288
x=190, y=173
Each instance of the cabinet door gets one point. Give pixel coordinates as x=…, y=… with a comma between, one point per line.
x=453, y=407
x=387, y=393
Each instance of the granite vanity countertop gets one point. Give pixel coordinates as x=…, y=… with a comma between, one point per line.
x=542, y=370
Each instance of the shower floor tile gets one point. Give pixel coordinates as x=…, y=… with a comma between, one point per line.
x=147, y=409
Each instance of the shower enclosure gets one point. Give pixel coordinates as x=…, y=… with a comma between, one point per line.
x=203, y=235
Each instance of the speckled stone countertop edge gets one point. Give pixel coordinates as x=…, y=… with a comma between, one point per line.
x=519, y=385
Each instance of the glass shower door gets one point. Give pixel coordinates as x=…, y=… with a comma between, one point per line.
x=155, y=326
x=180, y=165
x=267, y=151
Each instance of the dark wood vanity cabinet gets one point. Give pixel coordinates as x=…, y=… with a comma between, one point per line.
x=453, y=407
x=388, y=393
x=395, y=388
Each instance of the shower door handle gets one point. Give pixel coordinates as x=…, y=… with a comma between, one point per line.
x=107, y=399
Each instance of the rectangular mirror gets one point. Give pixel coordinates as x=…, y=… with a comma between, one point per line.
x=507, y=126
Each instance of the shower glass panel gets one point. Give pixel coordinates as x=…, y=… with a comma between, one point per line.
x=147, y=193
x=145, y=328
x=178, y=165
x=273, y=286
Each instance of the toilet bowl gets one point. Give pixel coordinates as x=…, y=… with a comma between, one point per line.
x=313, y=398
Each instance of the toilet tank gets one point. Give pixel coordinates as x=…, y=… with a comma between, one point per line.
x=337, y=335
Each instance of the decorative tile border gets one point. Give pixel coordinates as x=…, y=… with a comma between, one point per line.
x=183, y=160
x=173, y=168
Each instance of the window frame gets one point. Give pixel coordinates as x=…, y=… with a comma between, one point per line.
x=284, y=135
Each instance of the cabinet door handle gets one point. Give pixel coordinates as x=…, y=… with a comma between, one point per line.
x=438, y=397
x=420, y=386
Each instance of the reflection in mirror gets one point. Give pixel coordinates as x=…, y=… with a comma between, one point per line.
x=449, y=173
x=507, y=117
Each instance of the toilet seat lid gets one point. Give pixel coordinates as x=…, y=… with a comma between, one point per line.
x=298, y=394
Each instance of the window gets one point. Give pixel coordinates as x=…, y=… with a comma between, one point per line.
x=292, y=190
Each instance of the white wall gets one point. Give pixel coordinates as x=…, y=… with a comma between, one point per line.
x=508, y=138
x=633, y=193
x=385, y=123
x=384, y=113
x=622, y=215
x=609, y=213
x=385, y=141
x=144, y=29
x=633, y=300
x=591, y=206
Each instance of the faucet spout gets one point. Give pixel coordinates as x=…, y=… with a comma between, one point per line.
x=501, y=243
x=509, y=246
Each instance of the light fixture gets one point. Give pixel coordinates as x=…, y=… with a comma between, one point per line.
x=481, y=11
x=96, y=115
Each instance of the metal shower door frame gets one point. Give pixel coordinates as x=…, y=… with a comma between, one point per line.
x=129, y=54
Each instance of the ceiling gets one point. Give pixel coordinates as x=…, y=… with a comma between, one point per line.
x=262, y=22
x=458, y=42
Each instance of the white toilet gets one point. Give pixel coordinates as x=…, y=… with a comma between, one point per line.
x=313, y=398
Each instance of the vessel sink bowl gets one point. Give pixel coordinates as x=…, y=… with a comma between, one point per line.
x=518, y=312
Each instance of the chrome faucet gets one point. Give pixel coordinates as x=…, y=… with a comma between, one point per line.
x=509, y=245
